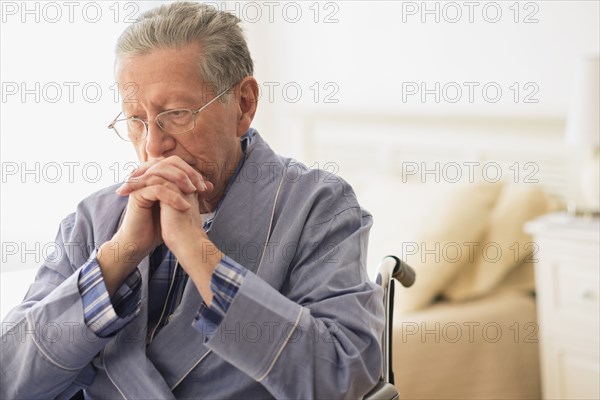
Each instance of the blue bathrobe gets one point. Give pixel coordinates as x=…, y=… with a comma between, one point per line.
x=306, y=322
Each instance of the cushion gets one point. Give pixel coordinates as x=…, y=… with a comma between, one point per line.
x=458, y=216
x=504, y=245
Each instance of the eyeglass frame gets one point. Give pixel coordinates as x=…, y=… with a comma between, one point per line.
x=146, y=123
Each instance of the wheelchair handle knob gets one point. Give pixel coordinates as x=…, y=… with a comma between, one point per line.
x=404, y=273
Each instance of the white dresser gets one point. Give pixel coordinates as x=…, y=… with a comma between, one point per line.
x=568, y=301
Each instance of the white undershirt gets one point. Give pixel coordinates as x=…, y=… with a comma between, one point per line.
x=206, y=217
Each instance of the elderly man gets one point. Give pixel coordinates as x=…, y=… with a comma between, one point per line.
x=219, y=269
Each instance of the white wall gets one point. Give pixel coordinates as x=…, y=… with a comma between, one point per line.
x=371, y=55
x=361, y=54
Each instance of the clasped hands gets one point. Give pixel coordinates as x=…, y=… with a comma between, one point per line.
x=166, y=197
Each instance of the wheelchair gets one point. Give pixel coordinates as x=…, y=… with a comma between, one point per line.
x=390, y=269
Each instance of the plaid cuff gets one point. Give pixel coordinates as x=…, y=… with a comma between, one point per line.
x=226, y=280
x=104, y=315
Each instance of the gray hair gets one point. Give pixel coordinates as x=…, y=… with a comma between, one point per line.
x=225, y=59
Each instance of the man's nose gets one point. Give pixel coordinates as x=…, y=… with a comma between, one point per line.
x=158, y=141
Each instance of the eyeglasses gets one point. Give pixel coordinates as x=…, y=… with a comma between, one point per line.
x=173, y=122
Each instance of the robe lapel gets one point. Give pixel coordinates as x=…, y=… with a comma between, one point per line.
x=240, y=228
x=178, y=347
x=125, y=358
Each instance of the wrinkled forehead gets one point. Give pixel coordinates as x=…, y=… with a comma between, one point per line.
x=161, y=73
x=161, y=64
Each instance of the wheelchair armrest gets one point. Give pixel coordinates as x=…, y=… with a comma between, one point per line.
x=383, y=391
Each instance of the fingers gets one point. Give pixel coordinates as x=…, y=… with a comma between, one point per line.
x=167, y=194
x=156, y=175
x=172, y=169
x=143, y=168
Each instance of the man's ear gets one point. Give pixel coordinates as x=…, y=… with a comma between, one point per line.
x=247, y=102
